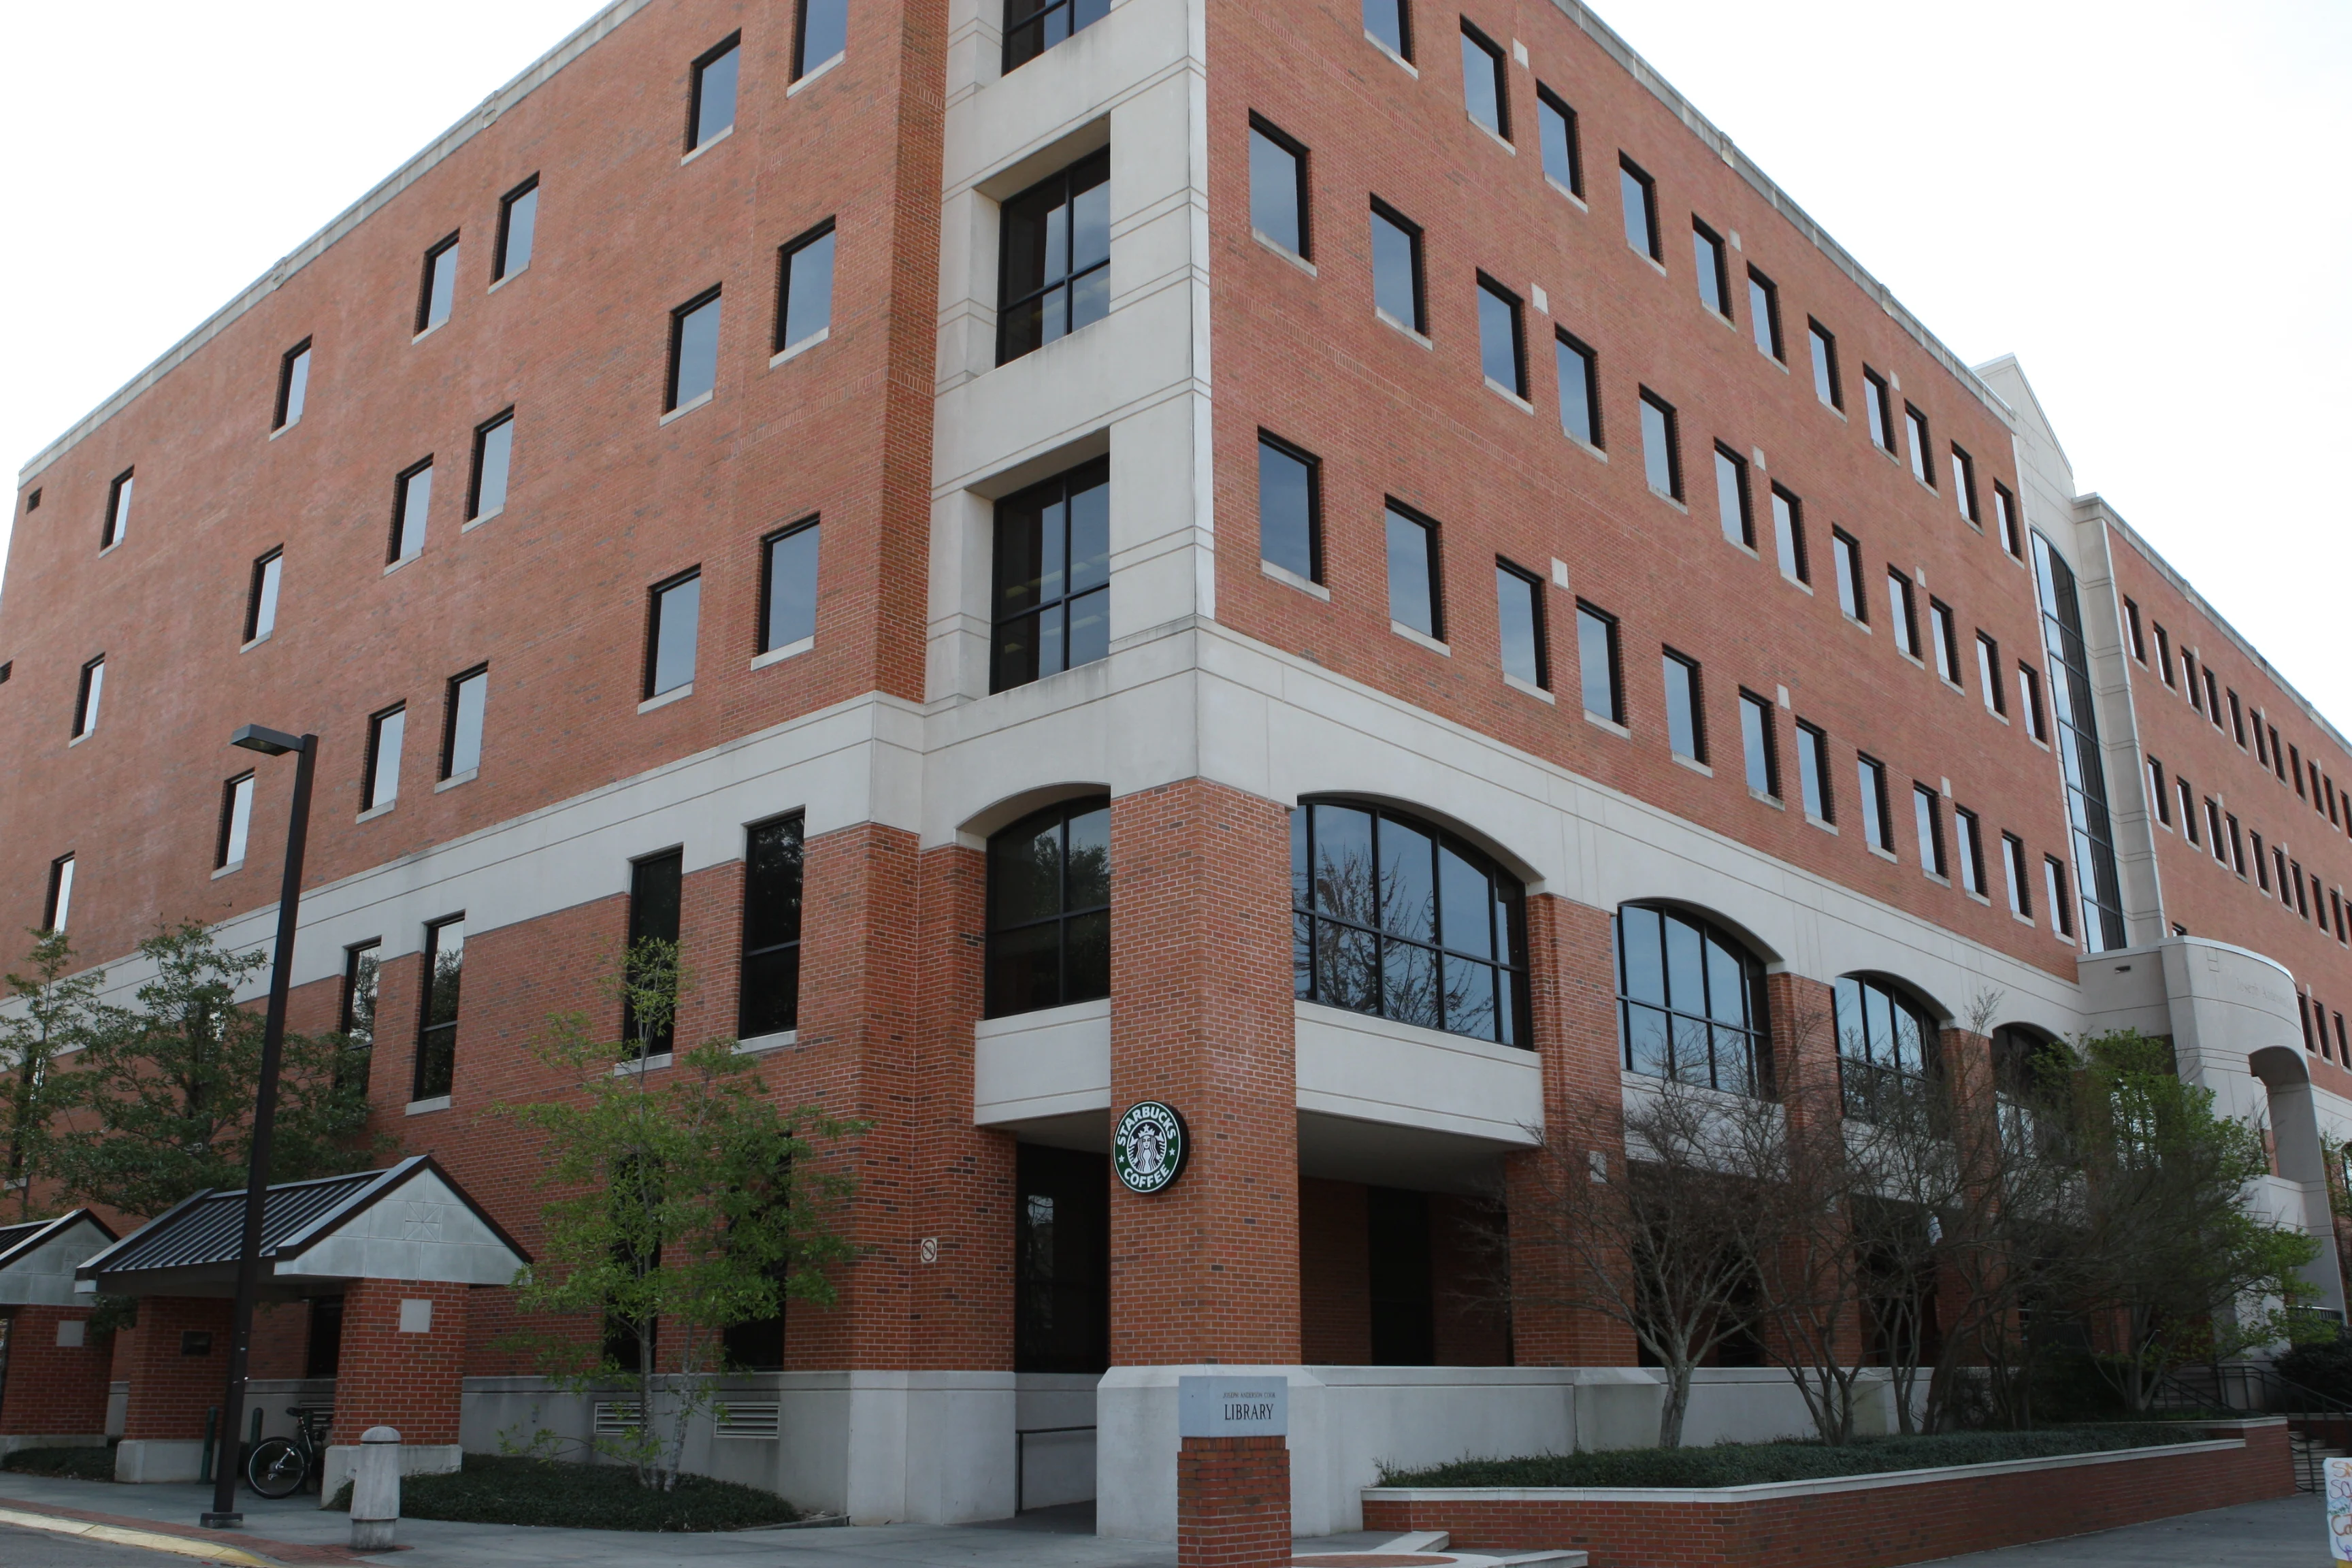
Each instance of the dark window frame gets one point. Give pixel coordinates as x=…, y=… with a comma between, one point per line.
x=93, y=674
x=1313, y=467
x=286, y=362
x=1476, y=36
x=1964, y=484
x=1517, y=309
x=2018, y=870
x=1404, y=49
x=1718, y=261
x=1767, y=319
x=695, y=141
x=400, y=484
x=1032, y=23
x=1766, y=707
x=450, y=692
x=678, y=319
x=1079, y=480
x=1825, y=364
x=1968, y=832
x=1878, y=801
x=500, y=271
x=1742, y=489
x=1814, y=742
x=1414, y=235
x=1799, y=561
x=751, y=1024
x=1060, y=815
x=373, y=756
x=645, y=692
x=433, y=254
x=1882, y=421
x=1630, y=170
x=1547, y=98
x=2131, y=623
x=482, y=433
x=802, y=64
x=785, y=253
x=115, y=523
x=1301, y=188
x=1434, y=533
x=646, y=872
x=1534, y=583
x=437, y=1057
x=228, y=819
x=261, y=564
x=1613, y=632
x=1932, y=798
x=60, y=890
x=2012, y=524
x=1864, y=1070
x=1853, y=582
x=1921, y=435
x=1943, y=626
x=1696, y=690
x=1066, y=180
x=813, y=523
x=1673, y=444
x=2062, y=913
x=1591, y=359
x=1686, y=1025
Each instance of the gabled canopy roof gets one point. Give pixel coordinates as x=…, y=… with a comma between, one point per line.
x=408, y=1222
x=38, y=1258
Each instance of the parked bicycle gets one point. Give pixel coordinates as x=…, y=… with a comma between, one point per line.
x=280, y=1467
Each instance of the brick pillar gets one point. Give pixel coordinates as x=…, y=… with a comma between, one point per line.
x=402, y=1365
x=1206, y=1270
x=172, y=1382
x=57, y=1377
x=1232, y=1503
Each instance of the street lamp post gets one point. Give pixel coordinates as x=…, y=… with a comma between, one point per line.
x=272, y=743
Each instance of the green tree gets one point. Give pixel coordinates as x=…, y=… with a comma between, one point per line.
x=687, y=1202
x=58, y=1011
x=161, y=1094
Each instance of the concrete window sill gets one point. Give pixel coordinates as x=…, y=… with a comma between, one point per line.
x=1288, y=578
x=1614, y=728
x=289, y=425
x=1268, y=242
x=794, y=351
x=476, y=522
x=815, y=71
x=1492, y=134
x=1381, y=44
x=683, y=409
x=249, y=647
x=500, y=283
x=1564, y=191
x=1591, y=451
x=1826, y=826
x=1400, y=327
x=1883, y=854
x=675, y=694
x=391, y=567
x=454, y=780
x=1694, y=765
x=428, y=1107
x=1508, y=395
x=77, y=739
x=371, y=813
x=233, y=866
x=1413, y=635
x=643, y=1065
x=1530, y=686
x=430, y=331
x=1671, y=502
x=1774, y=801
x=778, y=655
x=2022, y=920
x=759, y=1044
x=706, y=147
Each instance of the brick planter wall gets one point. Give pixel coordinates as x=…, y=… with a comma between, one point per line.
x=1233, y=1502
x=1855, y=1522
x=52, y=1390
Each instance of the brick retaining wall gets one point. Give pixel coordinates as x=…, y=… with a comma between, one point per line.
x=1862, y=1521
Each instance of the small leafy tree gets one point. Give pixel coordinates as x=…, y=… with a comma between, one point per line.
x=688, y=1201
x=58, y=1010
x=161, y=1099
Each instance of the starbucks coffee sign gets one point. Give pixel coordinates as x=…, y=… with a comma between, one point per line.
x=1149, y=1146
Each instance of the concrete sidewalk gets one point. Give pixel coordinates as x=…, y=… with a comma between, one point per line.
x=2285, y=1532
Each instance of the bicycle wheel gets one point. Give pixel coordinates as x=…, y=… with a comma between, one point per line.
x=276, y=1468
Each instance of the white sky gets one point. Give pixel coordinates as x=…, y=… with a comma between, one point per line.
x=2147, y=203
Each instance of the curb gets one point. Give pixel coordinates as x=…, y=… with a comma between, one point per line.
x=153, y=1541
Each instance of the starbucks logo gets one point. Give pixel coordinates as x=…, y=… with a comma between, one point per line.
x=1149, y=1146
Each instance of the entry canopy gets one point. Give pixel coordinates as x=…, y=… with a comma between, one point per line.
x=407, y=1222
x=38, y=1258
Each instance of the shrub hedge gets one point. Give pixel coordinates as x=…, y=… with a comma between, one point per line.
x=497, y=1489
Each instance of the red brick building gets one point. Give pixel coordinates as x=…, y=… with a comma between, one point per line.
x=988, y=522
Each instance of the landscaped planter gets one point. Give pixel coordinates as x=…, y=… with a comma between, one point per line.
x=1855, y=1522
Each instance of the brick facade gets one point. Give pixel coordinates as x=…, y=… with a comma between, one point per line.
x=51, y=1388
x=1233, y=1502
x=179, y=1367
x=403, y=1374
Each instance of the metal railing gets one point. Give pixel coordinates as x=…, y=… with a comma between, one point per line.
x=1020, y=1436
x=2249, y=1388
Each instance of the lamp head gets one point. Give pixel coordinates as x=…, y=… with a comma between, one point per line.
x=269, y=742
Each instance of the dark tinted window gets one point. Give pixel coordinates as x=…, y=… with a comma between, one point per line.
x=293, y=384
x=1690, y=1001
x=712, y=111
x=1055, y=275
x=518, y=225
x=1502, y=350
x=823, y=32
x=1049, y=909
x=1277, y=187
x=1886, y=1046
x=805, y=287
x=1686, y=719
x=1412, y=571
x=1290, y=510
x=1714, y=278
x=463, y=708
x=1662, y=460
x=693, y=349
x=1764, y=313
x=654, y=894
x=1396, y=267
x=412, y=503
x=1639, y=196
x=1597, y=663
x=676, y=622
x=1519, y=597
x=440, y=288
x=788, y=568
x=769, y=997
x=1485, y=92
x=1033, y=27
x=1563, y=159
x=493, y=454
x=436, y=1036
x=1053, y=577
x=1579, y=389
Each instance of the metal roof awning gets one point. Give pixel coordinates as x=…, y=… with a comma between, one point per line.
x=38, y=1258
x=407, y=1222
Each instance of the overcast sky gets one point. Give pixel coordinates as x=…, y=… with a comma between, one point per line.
x=2145, y=203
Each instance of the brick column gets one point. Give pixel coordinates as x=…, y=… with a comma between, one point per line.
x=172, y=1384
x=1232, y=1503
x=1202, y=1019
x=57, y=1374
x=406, y=1372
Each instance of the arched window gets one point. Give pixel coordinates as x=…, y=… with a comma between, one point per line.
x=2027, y=1069
x=1690, y=1001
x=1436, y=937
x=1888, y=1046
x=1049, y=909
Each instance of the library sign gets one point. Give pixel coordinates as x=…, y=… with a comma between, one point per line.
x=1232, y=1406
x=1149, y=1146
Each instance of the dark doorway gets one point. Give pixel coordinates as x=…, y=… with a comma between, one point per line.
x=1404, y=1321
x=1061, y=1252
x=325, y=1356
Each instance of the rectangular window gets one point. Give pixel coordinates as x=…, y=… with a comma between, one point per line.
x=2261, y=751
x=653, y=899
x=1989, y=673
x=1277, y=187
x=2188, y=673
x=2278, y=864
x=518, y=225
x=1390, y=22
x=1055, y=274
x=439, y=290
x=821, y=37
x=1905, y=616
x=672, y=625
x=1485, y=87
x=436, y=1029
x=412, y=501
x=1928, y=816
x=1964, y=484
x=261, y=597
x=2212, y=698
x=1877, y=826
x=2294, y=765
x=379, y=778
x=2237, y=722
x=1813, y=773
x=236, y=821
x=1413, y=599
x=1053, y=577
x=805, y=287
x=1714, y=276
x=1731, y=503
x=356, y=1022
x=1563, y=155
x=1923, y=462
x=1579, y=389
x=2013, y=862
x=693, y=352
x=2277, y=758
x=768, y=1001
x=1826, y=384
x=788, y=568
x=1518, y=601
x=1502, y=341
x=2262, y=863
x=1598, y=668
x=1946, y=639
x=1033, y=27
x=2164, y=655
x=58, y=904
x=461, y=724
x=2188, y=807
x=1758, y=741
x=1289, y=508
x=2157, y=800
x=116, y=521
x=1396, y=267
x=1686, y=716
x=1764, y=314
x=1848, y=563
x=1789, y=534
x=485, y=495
x=2131, y=625
x=710, y=108
x=1969, y=839
x=1662, y=457
x=1639, y=195
x=2216, y=839
x=1875, y=410
x=293, y=385
x=2237, y=845
x=2302, y=903
x=86, y=692
x=2004, y=510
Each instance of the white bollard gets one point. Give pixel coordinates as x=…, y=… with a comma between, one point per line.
x=375, y=1489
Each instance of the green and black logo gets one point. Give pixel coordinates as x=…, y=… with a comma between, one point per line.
x=1150, y=1146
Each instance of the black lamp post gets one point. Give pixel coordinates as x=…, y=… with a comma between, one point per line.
x=271, y=743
